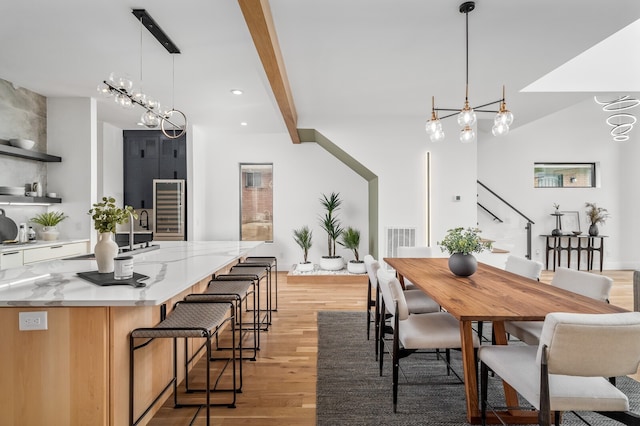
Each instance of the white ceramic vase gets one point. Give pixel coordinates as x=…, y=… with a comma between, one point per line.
x=106, y=250
x=356, y=267
x=305, y=267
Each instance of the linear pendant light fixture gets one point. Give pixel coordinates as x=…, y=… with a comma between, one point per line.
x=467, y=115
x=172, y=122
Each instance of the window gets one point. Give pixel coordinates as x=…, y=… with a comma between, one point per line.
x=256, y=202
x=564, y=175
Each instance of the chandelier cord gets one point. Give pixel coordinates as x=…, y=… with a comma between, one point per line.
x=466, y=14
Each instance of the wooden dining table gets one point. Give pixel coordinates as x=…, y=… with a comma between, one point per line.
x=491, y=294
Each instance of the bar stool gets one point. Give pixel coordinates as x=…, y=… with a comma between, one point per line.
x=187, y=320
x=272, y=263
x=235, y=291
x=260, y=274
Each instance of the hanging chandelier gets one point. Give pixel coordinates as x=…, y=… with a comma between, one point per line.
x=172, y=122
x=621, y=122
x=467, y=115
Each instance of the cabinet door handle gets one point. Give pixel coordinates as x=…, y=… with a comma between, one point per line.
x=11, y=252
x=55, y=247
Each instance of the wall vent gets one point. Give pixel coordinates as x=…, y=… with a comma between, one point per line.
x=399, y=236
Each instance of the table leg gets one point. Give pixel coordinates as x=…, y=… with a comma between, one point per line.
x=510, y=395
x=470, y=371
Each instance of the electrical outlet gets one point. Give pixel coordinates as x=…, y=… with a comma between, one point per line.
x=32, y=321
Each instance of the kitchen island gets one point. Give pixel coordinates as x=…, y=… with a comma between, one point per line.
x=76, y=371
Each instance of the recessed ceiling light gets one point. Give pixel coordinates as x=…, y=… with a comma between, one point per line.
x=244, y=123
x=237, y=91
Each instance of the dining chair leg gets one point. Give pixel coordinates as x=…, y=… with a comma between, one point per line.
x=368, y=307
x=396, y=366
x=377, y=321
x=484, y=377
x=447, y=355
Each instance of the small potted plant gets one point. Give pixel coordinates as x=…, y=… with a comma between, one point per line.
x=351, y=240
x=331, y=224
x=49, y=222
x=106, y=215
x=303, y=238
x=596, y=215
x=460, y=243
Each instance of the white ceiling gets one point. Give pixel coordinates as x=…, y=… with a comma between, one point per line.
x=344, y=58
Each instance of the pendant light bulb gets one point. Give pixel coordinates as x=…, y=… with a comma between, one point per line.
x=467, y=135
x=433, y=125
x=437, y=136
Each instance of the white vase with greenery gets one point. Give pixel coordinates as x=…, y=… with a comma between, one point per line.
x=303, y=237
x=351, y=241
x=331, y=225
x=106, y=215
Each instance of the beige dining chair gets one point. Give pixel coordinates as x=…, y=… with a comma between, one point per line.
x=414, y=332
x=581, y=282
x=524, y=267
x=567, y=370
x=417, y=301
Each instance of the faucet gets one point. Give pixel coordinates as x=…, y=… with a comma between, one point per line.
x=131, y=231
x=146, y=220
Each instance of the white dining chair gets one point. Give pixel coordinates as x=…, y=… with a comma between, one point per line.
x=414, y=332
x=580, y=282
x=567, y=370
x=524, y=267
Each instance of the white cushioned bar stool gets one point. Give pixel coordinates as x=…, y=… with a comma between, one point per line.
x=187, y=320
x=261, y=276
x=271, y=262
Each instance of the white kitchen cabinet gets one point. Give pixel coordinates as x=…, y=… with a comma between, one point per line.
x=11, y=259
x=57, y=251
x=26, y=255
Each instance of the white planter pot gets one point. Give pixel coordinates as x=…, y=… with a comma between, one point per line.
x=49, y=233
x=334, y=263
x=105, y=251
x=356, y=267
x=305, y=267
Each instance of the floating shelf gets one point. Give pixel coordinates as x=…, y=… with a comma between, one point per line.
x=12, y=151
x=22, y=200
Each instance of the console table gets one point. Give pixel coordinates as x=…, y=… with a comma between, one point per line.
x=583, y=243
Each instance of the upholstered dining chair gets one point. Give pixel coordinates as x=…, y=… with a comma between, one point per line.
x=416, y=251
x=417, y=301
x=567, y=370
x=581, y=282
x=413, y=332
x=524, y=267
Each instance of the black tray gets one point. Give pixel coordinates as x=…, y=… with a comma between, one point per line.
x=107, y=279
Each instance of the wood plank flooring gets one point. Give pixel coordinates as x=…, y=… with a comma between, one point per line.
x=280, y=386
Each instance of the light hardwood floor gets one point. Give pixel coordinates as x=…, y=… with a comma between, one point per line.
x=280, y=386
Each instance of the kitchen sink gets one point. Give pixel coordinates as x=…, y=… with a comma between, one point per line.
x=139, y=237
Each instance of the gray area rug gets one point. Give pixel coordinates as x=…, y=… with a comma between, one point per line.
x=350, y=391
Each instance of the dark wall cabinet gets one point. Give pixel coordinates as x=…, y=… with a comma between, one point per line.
x=149, y=155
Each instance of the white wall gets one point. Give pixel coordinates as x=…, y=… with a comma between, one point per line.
x=301, y=174
x=577, y=134
x=110, y=162
x=72, y=135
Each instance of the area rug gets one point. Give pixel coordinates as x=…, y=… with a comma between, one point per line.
x=351, y=392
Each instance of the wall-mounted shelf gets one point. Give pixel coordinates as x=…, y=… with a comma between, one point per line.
x=22, y=200
x=12, y=151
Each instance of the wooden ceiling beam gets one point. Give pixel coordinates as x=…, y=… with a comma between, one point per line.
x=257, y=15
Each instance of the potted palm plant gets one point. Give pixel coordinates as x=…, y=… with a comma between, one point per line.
x=331, y=225
x=303, y=238
x=351, y=241
x=460, y=243
x=106, y=215
x=49, y=222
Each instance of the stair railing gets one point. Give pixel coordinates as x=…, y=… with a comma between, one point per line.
x=529, y=221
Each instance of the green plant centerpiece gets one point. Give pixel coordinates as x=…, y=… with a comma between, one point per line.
x=332, y=226
x=49, y=222
x=351, y=240
x=106, y=215
x=461, y=243
x=303, y=237
x=596, y=215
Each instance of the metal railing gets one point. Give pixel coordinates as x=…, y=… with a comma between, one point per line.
x=505, y=202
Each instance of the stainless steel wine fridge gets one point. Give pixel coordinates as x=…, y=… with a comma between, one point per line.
x=169, y=209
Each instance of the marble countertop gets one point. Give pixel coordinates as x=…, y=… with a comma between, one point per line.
x=174, y=267
x=38, y=243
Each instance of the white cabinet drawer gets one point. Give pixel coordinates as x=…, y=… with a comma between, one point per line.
x=54, y=252
x=10, y=259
